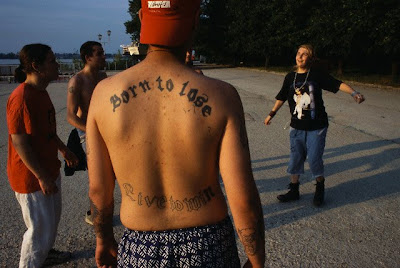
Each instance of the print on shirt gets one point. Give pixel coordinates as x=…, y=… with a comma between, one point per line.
x=304, y=98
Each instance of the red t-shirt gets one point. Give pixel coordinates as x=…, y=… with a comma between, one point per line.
x=30, y=111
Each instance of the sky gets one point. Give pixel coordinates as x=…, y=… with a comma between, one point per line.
x=64, y=25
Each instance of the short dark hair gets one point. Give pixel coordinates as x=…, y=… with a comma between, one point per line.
x=87, y=49
x=32, y=53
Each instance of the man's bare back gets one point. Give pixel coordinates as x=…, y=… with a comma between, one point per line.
x=164, y=134
x=162, y=129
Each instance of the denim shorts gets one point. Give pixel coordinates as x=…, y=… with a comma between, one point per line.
x=307, y=144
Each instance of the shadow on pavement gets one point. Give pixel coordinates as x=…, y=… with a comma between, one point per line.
x=350, y=192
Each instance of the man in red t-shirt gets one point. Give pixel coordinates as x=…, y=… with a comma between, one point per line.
x=33, y=166
x=31, y=112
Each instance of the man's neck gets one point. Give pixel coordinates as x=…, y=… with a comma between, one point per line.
x=35, y=82
x=91, y=71
x=302, y=70
x=167, y=53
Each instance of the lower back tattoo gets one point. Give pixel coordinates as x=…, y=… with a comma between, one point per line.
x=188, y=204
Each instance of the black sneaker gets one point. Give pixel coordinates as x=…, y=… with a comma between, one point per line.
x=292, y=195
x=319, y=193
x=55, y=257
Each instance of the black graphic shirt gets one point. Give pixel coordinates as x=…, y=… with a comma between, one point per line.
x=305, y=99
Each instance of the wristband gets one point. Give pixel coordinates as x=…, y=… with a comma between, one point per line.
x=272, y=113
x=355, y=93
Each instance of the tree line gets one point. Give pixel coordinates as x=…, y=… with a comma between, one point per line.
x=8, y=56
x=346, y=34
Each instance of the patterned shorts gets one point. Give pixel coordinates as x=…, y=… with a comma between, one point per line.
x=204, y=246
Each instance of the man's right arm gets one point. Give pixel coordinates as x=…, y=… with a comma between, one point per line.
x=278, y=104
x=73, y=99
x=241, y=190
x=101, y=192
x=22, y=145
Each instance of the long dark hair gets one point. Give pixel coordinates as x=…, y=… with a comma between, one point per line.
x=32, y=53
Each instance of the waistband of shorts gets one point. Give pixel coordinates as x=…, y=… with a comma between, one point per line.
x=225, y=222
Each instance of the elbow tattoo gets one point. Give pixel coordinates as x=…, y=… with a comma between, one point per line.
x=102, y=220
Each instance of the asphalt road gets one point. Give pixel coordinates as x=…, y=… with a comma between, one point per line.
x=358, y=226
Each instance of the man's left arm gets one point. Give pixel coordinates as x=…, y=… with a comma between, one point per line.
x=73, y=102
x=101, y=194
x=240, y=187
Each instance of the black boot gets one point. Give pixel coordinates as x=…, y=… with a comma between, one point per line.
x=292, y=195
x=319, y=193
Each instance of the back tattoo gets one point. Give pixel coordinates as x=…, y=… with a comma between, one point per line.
x=192, y=94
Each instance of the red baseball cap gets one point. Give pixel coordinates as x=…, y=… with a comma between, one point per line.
x=169, y=22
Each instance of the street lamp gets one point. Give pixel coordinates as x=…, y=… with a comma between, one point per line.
x=100, y=36
x=108, y=33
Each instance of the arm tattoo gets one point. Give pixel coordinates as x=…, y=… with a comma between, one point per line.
x=71, y=89
x=253, y=239
x=102, y=220
x=248, y=236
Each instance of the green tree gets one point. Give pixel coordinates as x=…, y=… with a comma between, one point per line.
x=277, y=27
x=210, y=36
x=9, y=55
x=334, y=25
x=385, y=33
x=269, y=31
x=133, y=26
x=237, y=34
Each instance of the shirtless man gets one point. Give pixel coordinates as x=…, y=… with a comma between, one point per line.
x=80, y=90
x=165, y=133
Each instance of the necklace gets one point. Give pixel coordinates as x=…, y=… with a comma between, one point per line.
x=298, y=89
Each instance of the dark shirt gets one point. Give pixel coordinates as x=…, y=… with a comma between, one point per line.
x=74, y=144
x=307, y=106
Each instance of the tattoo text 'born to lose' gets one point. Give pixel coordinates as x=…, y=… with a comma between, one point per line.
x=192, y=94
x=162, y=202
